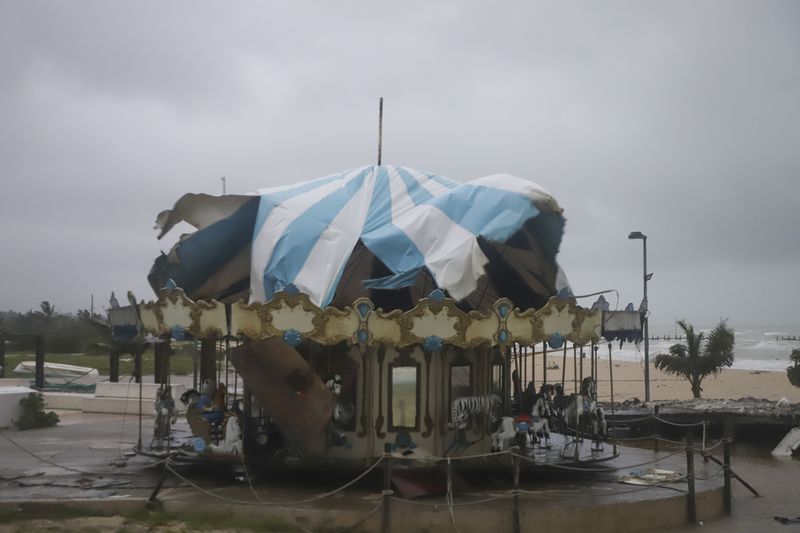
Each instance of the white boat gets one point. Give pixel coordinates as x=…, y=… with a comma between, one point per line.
x=57, y=370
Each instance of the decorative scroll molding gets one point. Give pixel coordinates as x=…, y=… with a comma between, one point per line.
x=431, y=324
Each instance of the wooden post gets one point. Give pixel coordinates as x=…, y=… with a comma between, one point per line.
x=161, y=360
x=691, y=504
x=726, y=470
x=387, y=486
x=655, y=430
x=113, y=364
x=39, y=344
x=2, y=356
x=517, y=526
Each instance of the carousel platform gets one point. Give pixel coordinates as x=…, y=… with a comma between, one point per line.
x=559, y=499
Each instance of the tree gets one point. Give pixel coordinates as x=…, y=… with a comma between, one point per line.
x=48, y=310
x=794, y=371
x=693, y=360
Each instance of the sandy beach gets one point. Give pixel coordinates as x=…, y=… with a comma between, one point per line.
x=730, y=384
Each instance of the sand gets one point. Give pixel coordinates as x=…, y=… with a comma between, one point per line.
x=730, y=384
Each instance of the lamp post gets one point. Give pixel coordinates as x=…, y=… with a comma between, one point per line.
x=638, y=235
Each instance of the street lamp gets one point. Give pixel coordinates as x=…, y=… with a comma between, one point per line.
x=638, y=235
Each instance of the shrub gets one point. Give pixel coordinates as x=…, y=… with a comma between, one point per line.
x=793, y=372
x=33, y=415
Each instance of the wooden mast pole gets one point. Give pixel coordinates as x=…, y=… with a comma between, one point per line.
x=380, y=129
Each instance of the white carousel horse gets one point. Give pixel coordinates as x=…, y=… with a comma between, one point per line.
x=232, y=440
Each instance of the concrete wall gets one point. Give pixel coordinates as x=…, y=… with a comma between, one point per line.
x=10, y=409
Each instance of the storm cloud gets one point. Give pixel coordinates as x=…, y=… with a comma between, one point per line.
x=680, y=120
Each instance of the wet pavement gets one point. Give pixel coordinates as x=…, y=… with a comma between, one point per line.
x=778, y=482
x=96, y=448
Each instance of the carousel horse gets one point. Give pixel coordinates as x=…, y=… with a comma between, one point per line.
x=232, y=439
x=540, y=413
x=205, y=417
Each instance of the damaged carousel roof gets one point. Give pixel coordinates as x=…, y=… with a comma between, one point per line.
x=389, y=233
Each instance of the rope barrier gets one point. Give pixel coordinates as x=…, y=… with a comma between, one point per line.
x=715, y=474
x=277, y=504
x=679, y=424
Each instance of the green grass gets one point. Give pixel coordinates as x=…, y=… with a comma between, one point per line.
x=205, y=521
x=195, y=521
x=179, y=363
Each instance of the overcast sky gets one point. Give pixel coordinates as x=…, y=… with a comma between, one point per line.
x=678, y=119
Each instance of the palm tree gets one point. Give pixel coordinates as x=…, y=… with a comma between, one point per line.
x=794, y=371
x=693, y=360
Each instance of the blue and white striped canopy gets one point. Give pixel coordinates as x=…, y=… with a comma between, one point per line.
x=305, y=233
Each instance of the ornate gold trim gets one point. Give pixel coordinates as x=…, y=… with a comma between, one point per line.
x=437, y=322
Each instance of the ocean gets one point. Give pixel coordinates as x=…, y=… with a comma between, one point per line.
x=757, y=348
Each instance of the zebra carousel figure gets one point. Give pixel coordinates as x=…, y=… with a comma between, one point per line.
x=462, y=409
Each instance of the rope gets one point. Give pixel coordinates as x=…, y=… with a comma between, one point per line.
x=715, y=474
x=278, y=504
x=678, y=424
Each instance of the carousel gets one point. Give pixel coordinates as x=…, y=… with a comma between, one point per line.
x=379, y=311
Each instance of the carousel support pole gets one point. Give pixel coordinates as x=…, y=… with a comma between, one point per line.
x=208, y=356
x=575, y=368
x=218, y=375
x=523, y=355
x=544, y=364
x=533, y=370
x=517, y=526
x=564, y=367
x=227, y=355
x=195, y=356
x=580, y=380
x=578, y=398
x=613, y=413
x=387, y=486
x=138, y=372
x=507, y=387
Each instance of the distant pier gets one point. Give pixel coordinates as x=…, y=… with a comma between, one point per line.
x=787, y=338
